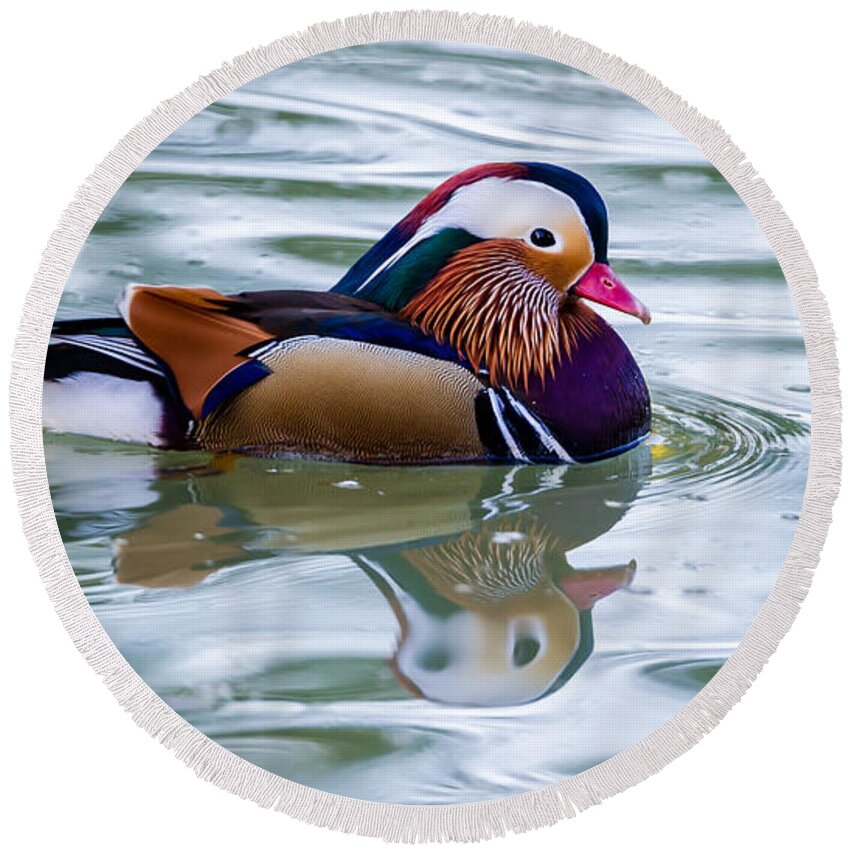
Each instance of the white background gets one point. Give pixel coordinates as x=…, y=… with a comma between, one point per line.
x=76, y=77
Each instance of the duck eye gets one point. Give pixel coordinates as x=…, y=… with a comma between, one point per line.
x=434, y=659
x=542, y=238
x=525, y=651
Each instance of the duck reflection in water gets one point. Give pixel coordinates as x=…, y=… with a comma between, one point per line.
x=495, y=617
x=473, y=561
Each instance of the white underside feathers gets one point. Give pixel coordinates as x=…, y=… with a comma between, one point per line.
x=98, y=405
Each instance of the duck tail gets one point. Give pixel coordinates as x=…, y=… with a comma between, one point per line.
x=99, y=382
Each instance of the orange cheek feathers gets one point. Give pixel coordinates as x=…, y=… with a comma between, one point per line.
x=564, y=268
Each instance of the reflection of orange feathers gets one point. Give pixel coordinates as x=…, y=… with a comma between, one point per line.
x=176, y=548
x=496, y=562
x=190, y=332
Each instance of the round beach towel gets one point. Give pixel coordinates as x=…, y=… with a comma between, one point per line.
x=432, y=413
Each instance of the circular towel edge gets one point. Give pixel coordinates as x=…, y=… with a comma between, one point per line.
x=399, y=822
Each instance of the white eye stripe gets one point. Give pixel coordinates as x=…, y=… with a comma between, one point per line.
x=499, y=207
x=496, y=207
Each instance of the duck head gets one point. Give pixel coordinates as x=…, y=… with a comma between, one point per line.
x=499, y=261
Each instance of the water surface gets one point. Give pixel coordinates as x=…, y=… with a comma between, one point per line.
x=443, y=634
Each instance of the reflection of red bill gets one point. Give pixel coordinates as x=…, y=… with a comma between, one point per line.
x=600, y=284
x=584, y=587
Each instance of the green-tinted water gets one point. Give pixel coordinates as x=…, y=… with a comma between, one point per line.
x=424, y=635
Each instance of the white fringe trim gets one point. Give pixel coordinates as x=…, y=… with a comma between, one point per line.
x=471, y=821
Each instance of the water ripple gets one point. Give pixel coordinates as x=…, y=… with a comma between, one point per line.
x=705, y=447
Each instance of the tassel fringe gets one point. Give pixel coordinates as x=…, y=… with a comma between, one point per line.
x=403, y=823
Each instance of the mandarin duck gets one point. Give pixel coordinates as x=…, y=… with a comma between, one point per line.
x=463, y=335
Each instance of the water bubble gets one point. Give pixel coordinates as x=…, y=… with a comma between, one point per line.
x=507, y=536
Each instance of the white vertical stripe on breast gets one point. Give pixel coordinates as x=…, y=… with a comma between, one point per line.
x=513, y=447
x=546, y=436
